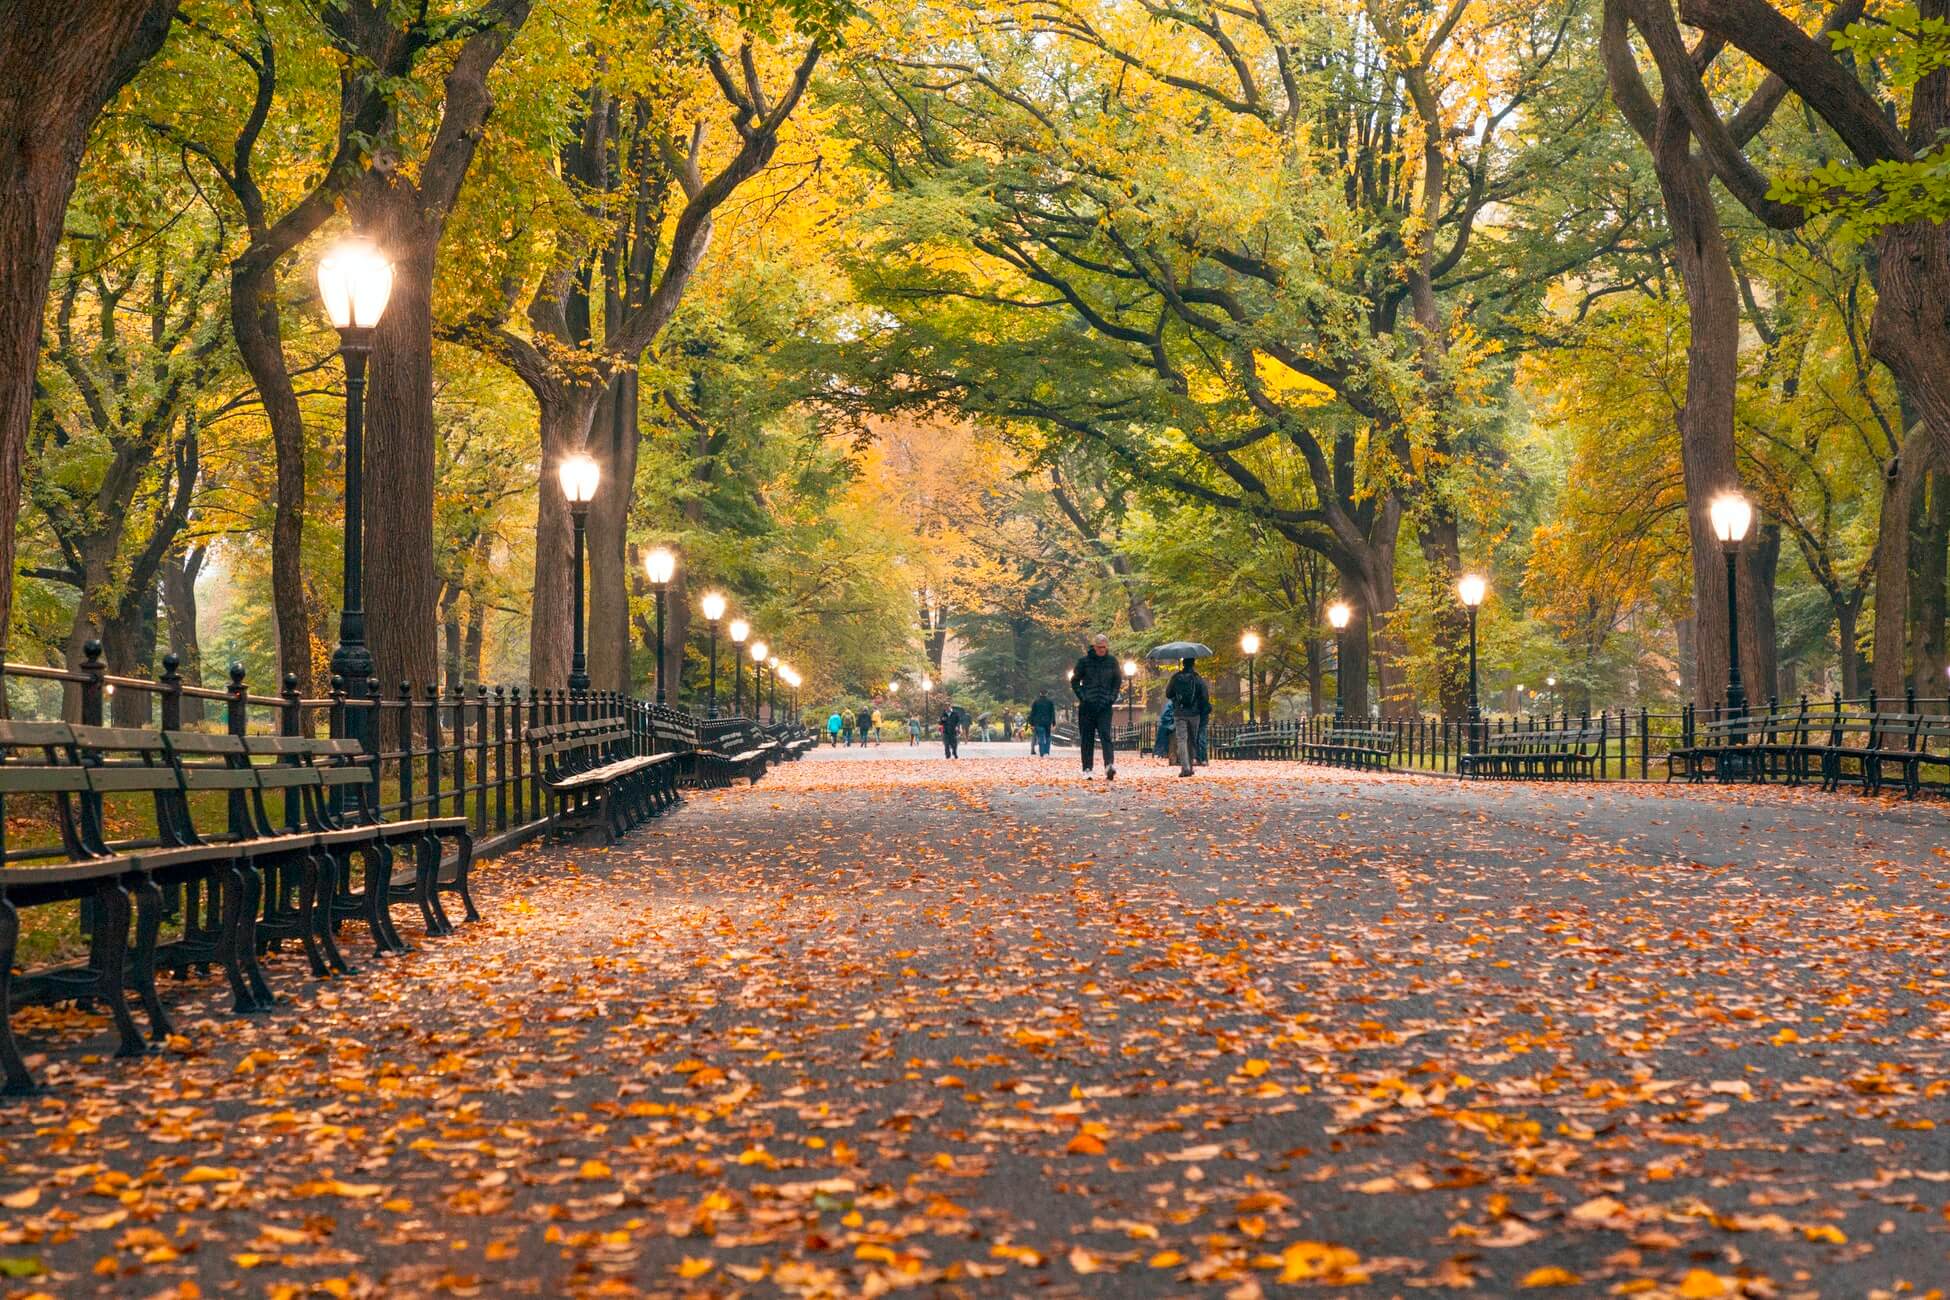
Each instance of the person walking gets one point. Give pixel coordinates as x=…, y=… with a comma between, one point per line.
x=951, y=732
x=1096, y=680
x=1167, y=717
x=1042, y=719
x=873, y=726
x=833, y=729
x=1191, y=703
x=914, y=731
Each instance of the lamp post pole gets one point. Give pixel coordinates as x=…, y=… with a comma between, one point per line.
x=1470, y=590
x=1249, y=646
x=660, y=566
x=354, y=282
x=1130, y=694
x=1339, y=615
x=711, y=710
x=579, y=660
x=1732, y=514
x=740, y=629
x=351, y=658
x=772, y=691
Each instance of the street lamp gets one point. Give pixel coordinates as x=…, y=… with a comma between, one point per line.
x=759, y=651
x=1732, y=514
x=1550, y=689
x=927, y=700
x=772, y=708
x=1339, y=615
x=713, y=605
x=354, y=281
x=739, y=630
x=579, y=474
x=1130, y=695
x=1471, y=590
x=1249, y=645
x=660, y=566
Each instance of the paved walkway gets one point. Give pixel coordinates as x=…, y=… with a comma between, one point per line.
x=987, y=1029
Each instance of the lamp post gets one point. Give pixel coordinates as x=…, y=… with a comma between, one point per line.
x=579, y=474
x=1130, y=694
x=740, y=629
x=1732, y=514
x=1339, y=615
x=1550, y=693
x=660, y=566
x=772, y=689
x=927, y=700
x=713, y=605
x=1249, y=646
x=354, y=281
x=1471, y=590
x=759, y=651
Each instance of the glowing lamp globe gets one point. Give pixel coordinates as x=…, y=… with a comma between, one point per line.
x=1732, y=515
x=354, y=282
x=1472, y=589
x=660, y=566
x=713, y=604
x=579, y=475
x=1249, y=643
x=1339, y=615
x=759, y=651
x=739, y=629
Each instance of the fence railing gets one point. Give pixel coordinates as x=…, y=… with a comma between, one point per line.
x=1628, y=745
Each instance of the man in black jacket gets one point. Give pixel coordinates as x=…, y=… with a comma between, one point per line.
x=951, y=731
x=1042, y=718
x=1096, y=680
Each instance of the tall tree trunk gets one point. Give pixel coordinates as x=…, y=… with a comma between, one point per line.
x=256, y=327
x=60, y=64
x=400, y=585
x=1888, y=666
x=1314, y=675
x=1442, y=551
x=475, y=641
x=129, y=650
x=179, y=574
x=1847, y=616
x=1759, y=652
x=1928, y=560
x=614, y=439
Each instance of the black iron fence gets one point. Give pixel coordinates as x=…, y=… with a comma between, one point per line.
x=1629, y=744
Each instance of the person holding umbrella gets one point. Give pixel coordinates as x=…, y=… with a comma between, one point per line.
x=1191, y=704
x=1096, y=680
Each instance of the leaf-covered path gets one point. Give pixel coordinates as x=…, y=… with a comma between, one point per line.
x=987, y=1029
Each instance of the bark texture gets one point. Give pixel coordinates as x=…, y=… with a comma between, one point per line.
x=60, y=64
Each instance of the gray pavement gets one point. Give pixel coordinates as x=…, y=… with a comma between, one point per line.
x=985, y=1028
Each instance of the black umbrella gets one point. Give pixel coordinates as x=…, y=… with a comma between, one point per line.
x=1172, y=650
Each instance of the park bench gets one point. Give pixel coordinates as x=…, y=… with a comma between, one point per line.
x=1350, y=747
x=595, y=778
x=716, y=752
x=1262, y=743
x=1757, y=747
x=1927, y=744
x=1536, y=753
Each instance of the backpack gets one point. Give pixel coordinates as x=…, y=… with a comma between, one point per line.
x=1183, y=690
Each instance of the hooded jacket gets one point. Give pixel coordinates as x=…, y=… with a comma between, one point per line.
x=1096, y=680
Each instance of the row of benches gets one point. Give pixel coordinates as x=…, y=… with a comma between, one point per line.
x=1842, y=747
x=1543, y=753
x=258, y=880
x=1355, y=747
x=181, y=827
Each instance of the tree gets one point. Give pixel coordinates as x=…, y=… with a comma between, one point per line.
x=60, y=64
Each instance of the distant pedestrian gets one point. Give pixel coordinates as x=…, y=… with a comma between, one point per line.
x=1166, y=718
x=833, y=725
x=951, y=722
x=1042, y=719
x=873, y=727
x=914, y=732
x=1192, y=703
x=1096, y=680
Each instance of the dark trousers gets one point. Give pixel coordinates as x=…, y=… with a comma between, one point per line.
x=951, y=744
x=1094, y=726
x=1039, y=743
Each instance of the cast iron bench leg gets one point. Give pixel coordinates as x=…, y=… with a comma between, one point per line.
x=142, y=963
x=19, y=1079
x=247, y=946
x=110, y=944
